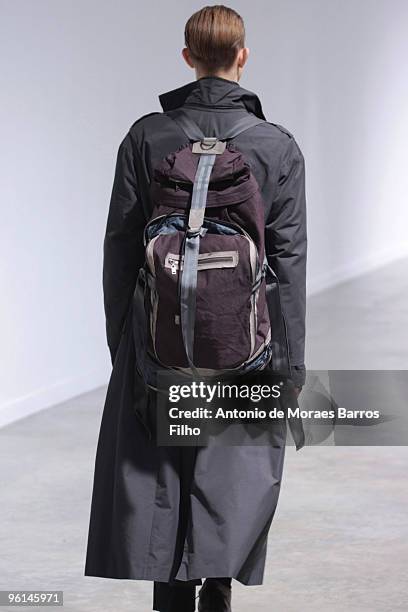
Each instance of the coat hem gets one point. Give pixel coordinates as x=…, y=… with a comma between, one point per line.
x=164, y=576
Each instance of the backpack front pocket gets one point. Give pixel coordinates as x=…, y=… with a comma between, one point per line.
x=223, y=328
x=227, y=288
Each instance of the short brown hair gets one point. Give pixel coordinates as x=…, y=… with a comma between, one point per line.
x=214, y=35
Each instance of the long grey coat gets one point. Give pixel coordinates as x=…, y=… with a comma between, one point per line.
x=177, y=512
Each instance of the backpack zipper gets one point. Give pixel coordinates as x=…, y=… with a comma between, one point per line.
x=206, y=261
x=176, y=183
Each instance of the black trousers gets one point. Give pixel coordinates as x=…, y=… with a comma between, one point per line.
x=178, y=596
x=174, y=597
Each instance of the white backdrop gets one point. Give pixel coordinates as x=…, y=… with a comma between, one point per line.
x=76, y=74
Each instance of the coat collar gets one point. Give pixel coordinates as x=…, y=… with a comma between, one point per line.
x=214, y=92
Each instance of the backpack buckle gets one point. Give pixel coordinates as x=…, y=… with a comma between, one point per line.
x=210, y=145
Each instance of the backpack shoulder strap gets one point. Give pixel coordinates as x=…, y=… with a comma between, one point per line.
x=243, y=124
x=189, y=127
x=193, y=132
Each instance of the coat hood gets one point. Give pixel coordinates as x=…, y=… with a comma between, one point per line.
x=214, y=92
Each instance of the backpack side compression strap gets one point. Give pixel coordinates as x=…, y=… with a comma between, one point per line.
x=193, y=132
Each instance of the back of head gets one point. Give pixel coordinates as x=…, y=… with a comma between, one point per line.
x=213, y=36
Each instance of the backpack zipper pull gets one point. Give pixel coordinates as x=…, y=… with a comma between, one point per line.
x=173, y=266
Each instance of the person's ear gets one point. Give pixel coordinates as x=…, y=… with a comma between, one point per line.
x=187, y=57
x=242, y=57
x=241, y=60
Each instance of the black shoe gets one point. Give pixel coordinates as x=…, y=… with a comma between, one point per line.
x=215, y=595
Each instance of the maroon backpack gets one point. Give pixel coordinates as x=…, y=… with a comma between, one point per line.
x=200, y=301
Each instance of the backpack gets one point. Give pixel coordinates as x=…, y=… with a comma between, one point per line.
x=200, y=304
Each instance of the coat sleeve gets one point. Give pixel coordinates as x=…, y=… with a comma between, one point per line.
x=286, y=249
x=123, y=250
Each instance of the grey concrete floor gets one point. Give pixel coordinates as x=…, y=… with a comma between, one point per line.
x=339, y=540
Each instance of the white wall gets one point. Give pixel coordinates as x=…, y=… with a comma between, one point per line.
x=75, y=75
x=336, y=79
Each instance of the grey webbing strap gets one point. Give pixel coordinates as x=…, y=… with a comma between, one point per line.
x=189, y=127
x=188, y=281
x=193, y=132
x=200, y=190
x=243, y=124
